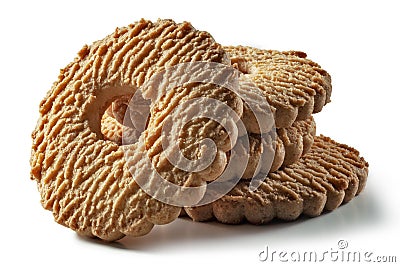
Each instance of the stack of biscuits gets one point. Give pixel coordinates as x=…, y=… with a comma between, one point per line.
x=93, y=181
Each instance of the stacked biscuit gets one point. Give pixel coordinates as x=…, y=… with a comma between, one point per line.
x=315, y=173
x=99, y=185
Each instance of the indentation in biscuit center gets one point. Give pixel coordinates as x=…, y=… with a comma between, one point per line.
x=127, y=116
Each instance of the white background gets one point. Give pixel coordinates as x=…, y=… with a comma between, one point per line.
x=356, y=41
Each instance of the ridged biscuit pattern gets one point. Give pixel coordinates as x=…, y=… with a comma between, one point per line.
x=85, y=180
x=290, y=144
x=327, y=176
x=294, y=86
x=111, y=129
x=193, y=130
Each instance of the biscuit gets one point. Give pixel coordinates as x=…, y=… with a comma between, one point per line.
x=87, y=181
x=117, y=109
x=327, y=176
x=111, y=129
x=290, y=144
x=294, y=86
x=196, y=129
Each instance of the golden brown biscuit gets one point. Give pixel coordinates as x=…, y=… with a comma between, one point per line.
x=328, y=175
x=290, y=144
x=294, y=86
x=111, y=129
x=193, y=130
x=87, y=181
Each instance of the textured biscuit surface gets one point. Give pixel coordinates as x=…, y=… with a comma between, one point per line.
x=290, y=144
x=328, y=175
x=267, y=153
x=111, y=128
x=191, y=131
x=83, y=179
x=294, y=86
